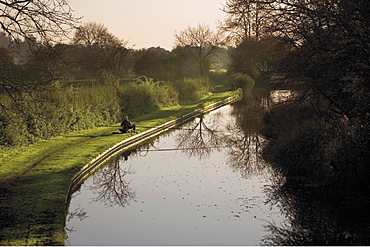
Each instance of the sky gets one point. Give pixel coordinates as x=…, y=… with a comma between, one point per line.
x=149, y=23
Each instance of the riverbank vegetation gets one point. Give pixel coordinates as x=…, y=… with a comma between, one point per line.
x=320, y=136
x=317, y=140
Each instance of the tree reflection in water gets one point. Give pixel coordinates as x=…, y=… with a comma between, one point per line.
x=313, y=217
x=240, y=138
x=244, y=141
x=110, y=185
x=78, y=213
x=200, y=139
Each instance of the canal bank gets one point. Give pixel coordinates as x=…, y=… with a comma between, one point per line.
x=35, y=179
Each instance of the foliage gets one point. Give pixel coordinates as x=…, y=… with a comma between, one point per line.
x=323, y=56
x=100, y=51
x=192, y=89
x=220, y=79
x=259, y=59
x=153, y=62
x=301, y=146
x=304, y=145
x=146, y=96
x=54, y=111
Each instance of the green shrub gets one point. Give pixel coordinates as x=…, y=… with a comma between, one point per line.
x=143, y=97
x=53, y=112
x=192, y=89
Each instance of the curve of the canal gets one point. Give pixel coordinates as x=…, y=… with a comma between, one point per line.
x=202, y=183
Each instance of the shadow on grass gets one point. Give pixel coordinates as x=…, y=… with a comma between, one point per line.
x=33, y=210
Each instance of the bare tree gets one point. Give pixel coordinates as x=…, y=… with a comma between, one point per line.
x=245, y=19
x=201, y=41
x=44, y=19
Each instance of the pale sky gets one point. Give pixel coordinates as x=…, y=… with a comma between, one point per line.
x=148, y=23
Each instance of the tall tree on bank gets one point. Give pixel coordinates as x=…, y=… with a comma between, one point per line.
x=256, y=51
x=245, y=20
x=330, y=64
x=201, y=42
x=327, y=59
x=102, y=52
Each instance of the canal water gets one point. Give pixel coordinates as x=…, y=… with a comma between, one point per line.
x=205, y=184
x=201, y=184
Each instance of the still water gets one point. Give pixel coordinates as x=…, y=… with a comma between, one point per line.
x=201, y=184
x=205, y=184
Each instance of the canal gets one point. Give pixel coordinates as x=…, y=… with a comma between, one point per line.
x=205, y=184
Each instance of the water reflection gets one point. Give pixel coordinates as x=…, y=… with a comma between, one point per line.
x=245, y=142
x=172, y=196
x=200, y=138
x=127, y=153
x=238, y=136
x=110, y=184
x=187, y=183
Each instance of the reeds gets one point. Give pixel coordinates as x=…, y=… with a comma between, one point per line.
x=47, y=112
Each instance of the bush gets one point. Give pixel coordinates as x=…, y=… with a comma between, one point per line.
x=53, y=112
x=192, y=89
x=143, y=97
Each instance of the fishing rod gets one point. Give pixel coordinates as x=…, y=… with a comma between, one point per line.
x=179, y=128
x=180, y=149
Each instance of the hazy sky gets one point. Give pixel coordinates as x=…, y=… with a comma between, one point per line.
x=147, y=23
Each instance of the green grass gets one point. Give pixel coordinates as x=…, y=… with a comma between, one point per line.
x=35, y=179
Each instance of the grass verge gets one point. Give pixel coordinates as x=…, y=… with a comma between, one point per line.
x=34, y=180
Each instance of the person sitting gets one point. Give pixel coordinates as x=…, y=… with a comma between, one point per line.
x=126, y=126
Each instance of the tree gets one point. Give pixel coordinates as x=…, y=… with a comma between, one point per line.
x=153, y=62
x=94, y=34
x=245, y=20
x=201, y=42
x=101, y=51
x=257, y=51
x=330, y=64
x=49, y=63
x=44, y=19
